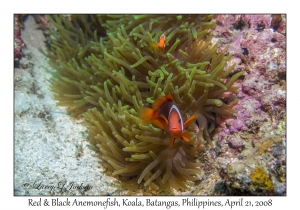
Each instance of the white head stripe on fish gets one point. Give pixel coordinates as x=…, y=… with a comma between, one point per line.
x=177, y=110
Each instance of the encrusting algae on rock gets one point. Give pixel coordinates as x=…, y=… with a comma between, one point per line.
x=266, y=143
x=107, y=70
x=260, y=180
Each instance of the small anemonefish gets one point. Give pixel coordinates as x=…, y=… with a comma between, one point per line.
x=166, y=115
x=161, y=43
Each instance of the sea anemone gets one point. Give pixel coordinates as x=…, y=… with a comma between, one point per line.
x=107, y=70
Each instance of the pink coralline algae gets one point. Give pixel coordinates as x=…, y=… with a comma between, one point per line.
x=249, y=116
x=260, y=52
x=247, y=110
x=258, y=46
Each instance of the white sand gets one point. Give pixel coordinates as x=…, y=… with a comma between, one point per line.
x=50, y=148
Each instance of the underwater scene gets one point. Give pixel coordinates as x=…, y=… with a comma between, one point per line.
x=150, y=104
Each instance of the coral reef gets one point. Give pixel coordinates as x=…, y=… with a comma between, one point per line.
x=264, y=62
x=258, y=171
x=107, y=70
x=18, y=42
x=258, y=45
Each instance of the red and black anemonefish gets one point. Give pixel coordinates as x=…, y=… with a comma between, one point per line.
x=161, y=43
x=166, y=115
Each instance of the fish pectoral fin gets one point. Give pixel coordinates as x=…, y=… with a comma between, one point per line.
x=164, y=118
x=186, y=136
x=172, y=141
x=160, y=123
x=190, y=121
x=146, y=115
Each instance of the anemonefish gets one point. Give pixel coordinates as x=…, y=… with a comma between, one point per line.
x=166, y=115
x=161, y=43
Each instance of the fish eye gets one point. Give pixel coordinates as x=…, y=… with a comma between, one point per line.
x=179, y=121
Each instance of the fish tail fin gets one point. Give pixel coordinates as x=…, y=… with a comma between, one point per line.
x=146, y=115
x=190, y=121
x=172, y=141
x=186, y=136
x=154, y=45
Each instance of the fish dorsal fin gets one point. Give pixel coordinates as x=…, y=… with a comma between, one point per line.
x=169, y=97
x=160, y=101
